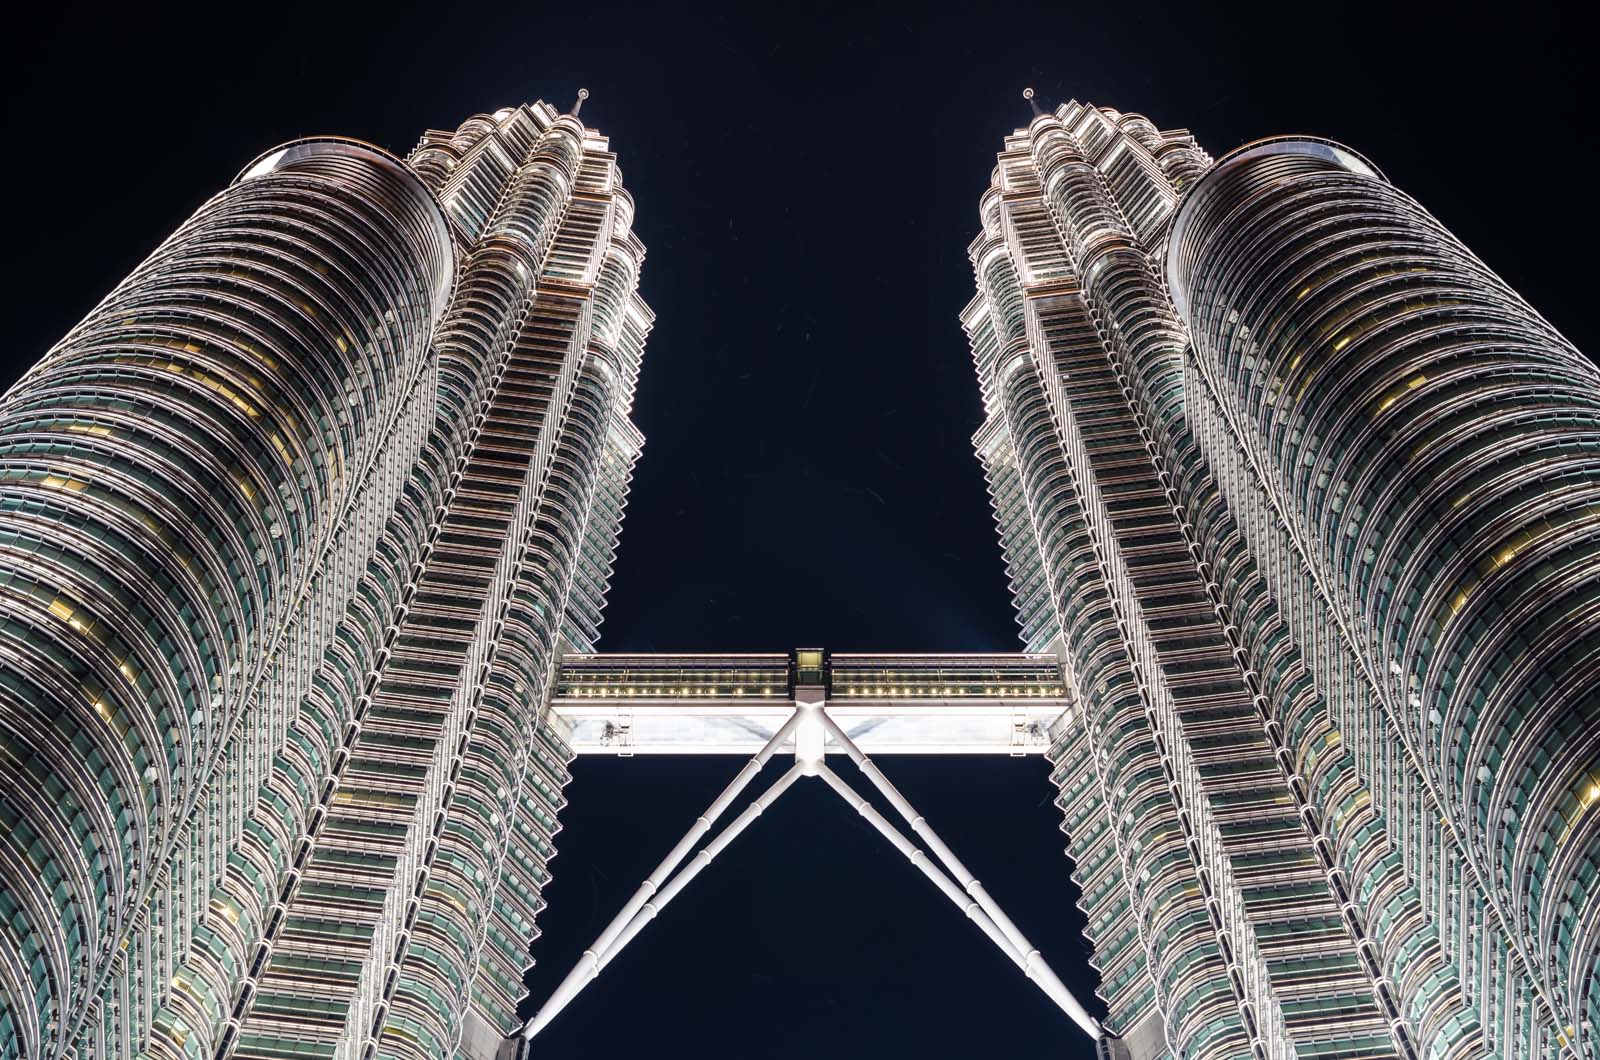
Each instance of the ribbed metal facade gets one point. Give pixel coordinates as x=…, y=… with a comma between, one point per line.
x=295, y=526
x=1421, y=453
x=1272, y=600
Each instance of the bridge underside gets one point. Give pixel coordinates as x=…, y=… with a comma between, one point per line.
x=625, y=704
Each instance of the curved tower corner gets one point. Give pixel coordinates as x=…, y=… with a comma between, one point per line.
x=184, y=477
x=1426, y=443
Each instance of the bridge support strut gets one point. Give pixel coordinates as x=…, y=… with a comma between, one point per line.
x=807, y=725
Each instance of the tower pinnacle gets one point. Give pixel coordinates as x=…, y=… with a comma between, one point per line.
x=583, y=94
x=1028, y=95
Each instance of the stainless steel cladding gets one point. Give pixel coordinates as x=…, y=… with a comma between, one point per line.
x=179, y=475
x=1313, y=523
x=1432, y=448
x=293, y=530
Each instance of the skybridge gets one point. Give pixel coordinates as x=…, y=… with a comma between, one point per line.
x=1002, y=703
x=810, y=704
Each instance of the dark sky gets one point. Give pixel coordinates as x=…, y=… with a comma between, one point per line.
x=807, y=183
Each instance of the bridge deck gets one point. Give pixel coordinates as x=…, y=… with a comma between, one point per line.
x=733, y=703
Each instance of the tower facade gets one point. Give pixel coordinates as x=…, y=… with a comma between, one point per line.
x=1303, y=497
x=294, y=527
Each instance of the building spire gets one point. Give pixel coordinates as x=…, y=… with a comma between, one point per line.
x=583, y=94
x=1027, y=94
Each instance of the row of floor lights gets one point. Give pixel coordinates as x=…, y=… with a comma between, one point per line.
x=582, y=690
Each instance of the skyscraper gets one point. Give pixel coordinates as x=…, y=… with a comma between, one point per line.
x=294, y=527
x=305, y=532
x=1305, y=499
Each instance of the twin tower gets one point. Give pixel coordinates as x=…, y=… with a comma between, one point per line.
x=305, y=533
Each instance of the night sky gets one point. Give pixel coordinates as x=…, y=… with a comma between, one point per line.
x=807, y=184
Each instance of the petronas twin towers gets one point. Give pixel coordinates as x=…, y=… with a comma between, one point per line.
x=305, y=533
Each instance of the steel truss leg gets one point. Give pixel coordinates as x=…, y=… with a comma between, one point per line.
x=994, y=922
x=600, y=952
x=649, y=910
x=915, y=855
